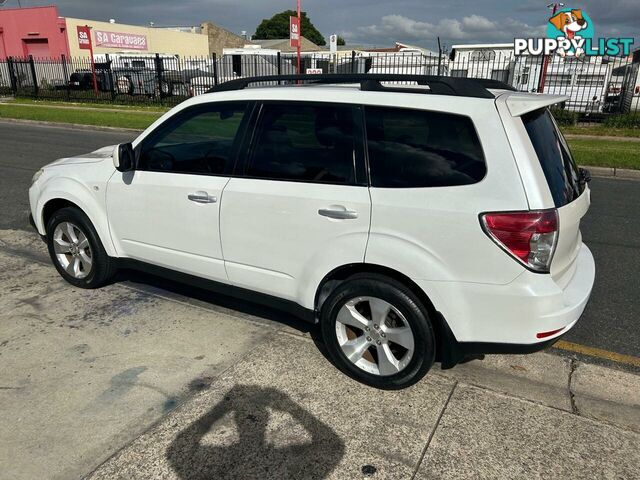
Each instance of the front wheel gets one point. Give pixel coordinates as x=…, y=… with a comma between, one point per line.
x=378, y=332
x=76, y=250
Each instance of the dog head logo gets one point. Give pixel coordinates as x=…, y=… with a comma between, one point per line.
x=571, y=25
x=569, y=22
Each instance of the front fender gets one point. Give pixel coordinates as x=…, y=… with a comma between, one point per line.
x=90, y=200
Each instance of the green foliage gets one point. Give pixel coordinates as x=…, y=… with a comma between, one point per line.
x=627, y=120
x=341, y=41
x=601, y=131
x=277, y=27
x=123, y=119
x=565, y=117
x=606, y=153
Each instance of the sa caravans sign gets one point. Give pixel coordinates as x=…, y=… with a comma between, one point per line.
x=84, y=38
x=294, y=32
x=128, y=41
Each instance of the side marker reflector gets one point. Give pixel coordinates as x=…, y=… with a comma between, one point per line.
x=548, y=334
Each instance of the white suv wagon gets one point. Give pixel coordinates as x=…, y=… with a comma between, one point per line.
x=416, y=223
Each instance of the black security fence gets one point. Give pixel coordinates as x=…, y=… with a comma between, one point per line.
x=596, y=87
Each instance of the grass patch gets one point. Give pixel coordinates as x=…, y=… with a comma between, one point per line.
x=606, y=153
x=601, y=131
x=122, y=119
x=80, y=104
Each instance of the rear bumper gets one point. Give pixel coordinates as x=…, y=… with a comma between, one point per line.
x=508, y=318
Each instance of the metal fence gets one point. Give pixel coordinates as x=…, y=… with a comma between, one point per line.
x=597, y=87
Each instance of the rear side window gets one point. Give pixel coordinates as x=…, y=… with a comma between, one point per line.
x=305, y=143
x=555, y=158
x=417, y=148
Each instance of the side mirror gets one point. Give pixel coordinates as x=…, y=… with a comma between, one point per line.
x=124, y=157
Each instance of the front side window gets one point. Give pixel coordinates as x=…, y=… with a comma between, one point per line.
x=305, y=142
x=198, y=141
x=417, y=148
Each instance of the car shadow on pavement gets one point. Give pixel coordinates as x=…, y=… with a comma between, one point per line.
x=153, y=283
x=255, y=432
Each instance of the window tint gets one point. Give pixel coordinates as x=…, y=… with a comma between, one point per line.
x=415, y=148
x=312, y=143
x=555, y=158
x=198, y=141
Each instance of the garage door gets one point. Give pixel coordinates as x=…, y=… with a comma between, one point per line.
x=37, y=47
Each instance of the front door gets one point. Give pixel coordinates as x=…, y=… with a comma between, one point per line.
x=299, y=206
x=166, y=212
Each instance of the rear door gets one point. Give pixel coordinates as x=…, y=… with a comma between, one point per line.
x=299, y=206
x=570, y=194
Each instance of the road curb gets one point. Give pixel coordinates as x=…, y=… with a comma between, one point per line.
x=605, y=394
x=601, y=393
x=613, y=138
x=89, y=108
x=77, y=126
x=613, y=172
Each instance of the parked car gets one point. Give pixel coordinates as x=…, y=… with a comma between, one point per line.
x=414, y=224
x=134, y=79
x=82, y=78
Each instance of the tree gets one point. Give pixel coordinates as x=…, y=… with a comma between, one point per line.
x=277, y=27
x=341, y=41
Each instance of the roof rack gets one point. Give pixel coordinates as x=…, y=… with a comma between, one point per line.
x=439, y=85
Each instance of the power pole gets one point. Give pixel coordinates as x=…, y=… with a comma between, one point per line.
x=300, y=36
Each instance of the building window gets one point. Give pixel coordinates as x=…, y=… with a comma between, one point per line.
x=236, y=64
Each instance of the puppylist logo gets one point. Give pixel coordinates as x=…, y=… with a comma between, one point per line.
x=570, y=32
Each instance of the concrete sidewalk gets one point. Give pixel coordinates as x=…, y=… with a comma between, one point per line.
x=131, y=381
x=285, y=412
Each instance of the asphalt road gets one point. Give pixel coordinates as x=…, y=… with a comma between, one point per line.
x=611, y=228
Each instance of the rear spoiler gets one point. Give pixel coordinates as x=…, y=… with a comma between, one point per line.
x=521, y=103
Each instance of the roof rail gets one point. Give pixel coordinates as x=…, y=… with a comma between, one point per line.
x=439, y=85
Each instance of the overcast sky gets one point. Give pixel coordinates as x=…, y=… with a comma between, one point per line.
x=369, y=22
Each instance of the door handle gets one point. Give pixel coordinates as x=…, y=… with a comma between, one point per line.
x=338, y=212
x=202, y=197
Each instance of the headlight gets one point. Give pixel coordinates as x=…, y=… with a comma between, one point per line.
x=36, y=176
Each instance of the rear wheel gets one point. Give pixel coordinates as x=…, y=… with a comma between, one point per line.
x=124, y=85
x=76, y=250
x=166, y=88
x=377, y=331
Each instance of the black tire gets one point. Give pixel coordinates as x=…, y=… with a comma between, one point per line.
x=406, y=302
x=102, y=268
x=166, y=89
x=124, y=85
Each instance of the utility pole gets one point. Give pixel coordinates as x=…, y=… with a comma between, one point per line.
x=545, y=64
x=300, y=36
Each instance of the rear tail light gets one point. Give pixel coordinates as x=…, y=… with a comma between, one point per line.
x=529, y=237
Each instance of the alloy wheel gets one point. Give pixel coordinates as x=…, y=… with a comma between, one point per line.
x=72, y=250
x=374, y=335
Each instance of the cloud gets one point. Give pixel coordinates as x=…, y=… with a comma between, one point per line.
x=471, y=28
x=378, y=22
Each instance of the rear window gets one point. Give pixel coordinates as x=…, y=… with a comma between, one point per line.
x=555, y=158
x=417, y=148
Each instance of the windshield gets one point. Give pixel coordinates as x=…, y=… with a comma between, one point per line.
x=554, y=155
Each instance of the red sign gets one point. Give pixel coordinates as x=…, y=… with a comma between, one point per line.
x=128, y=41
x=294, y=32
x=84, y=38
